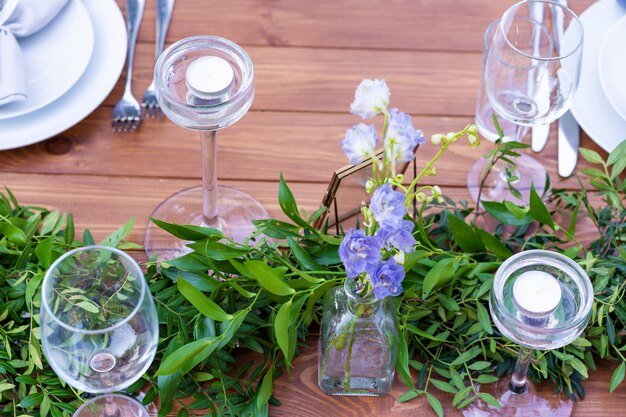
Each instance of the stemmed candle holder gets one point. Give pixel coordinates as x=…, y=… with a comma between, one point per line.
x=204, y=83
x=540, y=300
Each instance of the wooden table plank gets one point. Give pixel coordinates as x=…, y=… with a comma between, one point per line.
x=445, y=25
x=260, y=146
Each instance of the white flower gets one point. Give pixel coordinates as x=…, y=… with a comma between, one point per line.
x=371, y=98
x=359, y=143
x=437, y=138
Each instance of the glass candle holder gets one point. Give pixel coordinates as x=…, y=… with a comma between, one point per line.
x=540, y=300
x=204, y=83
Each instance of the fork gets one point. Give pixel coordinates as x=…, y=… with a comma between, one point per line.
x=164, y=14
x=127, y=112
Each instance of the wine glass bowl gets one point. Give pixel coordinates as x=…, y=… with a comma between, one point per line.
x=112, y=405
x=552, y=328
x=99, y=326
x=529, y=78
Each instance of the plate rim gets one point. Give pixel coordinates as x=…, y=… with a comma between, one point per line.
x=602, y=74
x=8, y=114
x=28, y=136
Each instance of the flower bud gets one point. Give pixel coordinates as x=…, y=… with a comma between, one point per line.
x=450, y=136
x=472, y=128
x=440, y=199
x=398, y=179
x=436, y=191
x=399, y=258
x=430, y=172
x=420, y=197
x=437, y=138
x=473, y=140
x=369, y=186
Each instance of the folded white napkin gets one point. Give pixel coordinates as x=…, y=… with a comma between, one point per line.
x=18, y=19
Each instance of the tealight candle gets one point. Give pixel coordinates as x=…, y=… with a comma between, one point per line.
x=536, y=293
x=209, y=76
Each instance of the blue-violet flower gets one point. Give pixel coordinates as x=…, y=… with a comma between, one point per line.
x=388, y=206
x=359, y=252
x=398, y=237
x=387, y=279
x=359, y=143
x=401, y=138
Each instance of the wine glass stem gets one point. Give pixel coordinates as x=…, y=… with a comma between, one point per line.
x=519, y=383
x=209, y=178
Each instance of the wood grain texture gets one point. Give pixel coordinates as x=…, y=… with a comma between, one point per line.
x=308, y=56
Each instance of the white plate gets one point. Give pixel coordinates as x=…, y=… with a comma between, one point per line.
x=591, y=108
x=55, y=58
x=88, y=93
x=612, y=66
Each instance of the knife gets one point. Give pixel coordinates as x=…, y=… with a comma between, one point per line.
x=568, y=140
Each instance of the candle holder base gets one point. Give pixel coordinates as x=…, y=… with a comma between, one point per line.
x=236, y=211
x=532, y=403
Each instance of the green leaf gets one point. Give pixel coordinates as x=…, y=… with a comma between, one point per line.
x=189, y=232
x=287, y=203
x=4, y=386
x=408, y=396
x=439, y=275
x=489, y=399
x=402, y=361
x=443, y=386
x=303, y=257
x=591, y=156
x=435, y=404
x=501, y=213
x=493, y=244
x=271, y=279
x=44, y=408
x=464, y=235
x=617, y=377
x=44, y=252
x=120, y=234
x=618, y=168
x=265, y=391
x=88, y=238
x=88, y=306
x=168, y=384
x=619, y=153
x=31, y=400
x=281, y=328
x=14, y=234
x=68, y=235
x=466, y=356
x=579, y=366
x=201, y=302
x=185, y=354
x=479, y=366
x=483, y=317
x=486, y=379
x=538, y=210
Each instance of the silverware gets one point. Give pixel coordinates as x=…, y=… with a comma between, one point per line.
x=568, y=141
x=127, y=112
x=164, y=15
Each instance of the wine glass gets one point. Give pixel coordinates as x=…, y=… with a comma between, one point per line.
x=112, y=405
x=204, y=83
x=530, y=78
x=99, y=326
x=540, y=300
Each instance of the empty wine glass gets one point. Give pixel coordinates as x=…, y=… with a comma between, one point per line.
x=540, y=300
x=530, y=78
x=112, y=405
x=99, y=326
x=204, y=83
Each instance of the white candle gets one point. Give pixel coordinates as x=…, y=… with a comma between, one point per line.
x=536, y=293
x=209, y=76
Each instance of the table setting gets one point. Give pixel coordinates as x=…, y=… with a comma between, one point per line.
x=469, y=260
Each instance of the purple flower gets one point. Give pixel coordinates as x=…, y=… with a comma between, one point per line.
x=388, y=206
x=359, y=143
x=401, y=138
x=387, y=279
x=399, y=237
x=371, y=97
x=359, y=252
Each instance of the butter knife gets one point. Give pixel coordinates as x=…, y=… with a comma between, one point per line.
x=568, y=141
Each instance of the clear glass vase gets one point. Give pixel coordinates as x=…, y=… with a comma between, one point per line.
x=357, y=347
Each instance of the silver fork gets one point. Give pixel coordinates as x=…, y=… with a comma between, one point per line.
x=127, y=112
x=164, y=14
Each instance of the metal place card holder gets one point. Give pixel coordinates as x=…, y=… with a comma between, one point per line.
x=346, y=193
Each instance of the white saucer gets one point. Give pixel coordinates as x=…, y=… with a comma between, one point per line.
x=612, y=67
x=55, y=58
x=591, y=108
x=101, y=75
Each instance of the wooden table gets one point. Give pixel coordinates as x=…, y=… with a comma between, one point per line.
x=309, y=56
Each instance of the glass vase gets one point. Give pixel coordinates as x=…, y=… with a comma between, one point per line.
x=357, y=347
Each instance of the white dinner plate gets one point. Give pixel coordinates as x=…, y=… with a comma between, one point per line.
x=55, y=58
x=101, y=75
x=612, y=66
x=591, y=108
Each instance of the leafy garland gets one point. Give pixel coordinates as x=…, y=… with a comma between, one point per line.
x=263, y=297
